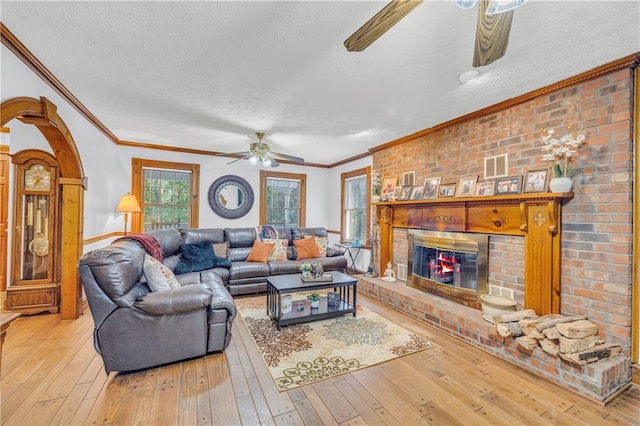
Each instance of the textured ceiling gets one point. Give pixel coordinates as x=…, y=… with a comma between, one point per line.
x=207, y=75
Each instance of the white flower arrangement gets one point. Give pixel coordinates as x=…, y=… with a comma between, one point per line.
x=376, y=183
x=561, y=151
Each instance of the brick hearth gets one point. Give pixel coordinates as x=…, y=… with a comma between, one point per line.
x=599, y=381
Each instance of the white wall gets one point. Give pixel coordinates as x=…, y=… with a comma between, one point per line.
x=108, y=166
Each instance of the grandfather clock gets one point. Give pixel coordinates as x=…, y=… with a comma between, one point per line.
x=35, y=285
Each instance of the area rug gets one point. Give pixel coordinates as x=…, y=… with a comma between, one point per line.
x=306, y=353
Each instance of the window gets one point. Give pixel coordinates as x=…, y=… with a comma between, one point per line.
x=167, y=193
x=355, y=205
x=282, y=198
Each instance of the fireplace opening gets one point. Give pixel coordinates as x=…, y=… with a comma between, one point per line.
x=450, y=264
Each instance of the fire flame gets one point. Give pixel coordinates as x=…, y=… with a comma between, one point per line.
x=446, y=263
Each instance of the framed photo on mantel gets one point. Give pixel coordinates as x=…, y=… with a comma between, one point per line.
x=509, y=185
x=447, y=190
x=485, y=188
x=536, y=181
x=431, y=187
x=467, y=186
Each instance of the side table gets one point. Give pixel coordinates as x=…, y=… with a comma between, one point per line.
x=352, y=255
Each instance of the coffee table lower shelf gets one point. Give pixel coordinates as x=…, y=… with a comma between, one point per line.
x=279, y=286
x=312, y=314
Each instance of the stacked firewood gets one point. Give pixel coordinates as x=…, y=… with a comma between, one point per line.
x=572, y=337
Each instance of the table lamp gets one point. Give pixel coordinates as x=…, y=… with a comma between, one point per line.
x=128, y=204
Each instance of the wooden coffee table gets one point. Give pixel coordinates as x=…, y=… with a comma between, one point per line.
x=279, y=285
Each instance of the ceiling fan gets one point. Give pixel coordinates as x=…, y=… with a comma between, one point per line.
x=260, y=154
x=492, y=31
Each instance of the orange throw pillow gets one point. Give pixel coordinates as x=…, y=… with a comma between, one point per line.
x=306, y=248
x=260, y=251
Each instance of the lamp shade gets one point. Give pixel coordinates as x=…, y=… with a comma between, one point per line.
x=128, y=203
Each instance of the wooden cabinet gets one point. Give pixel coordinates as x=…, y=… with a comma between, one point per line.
x=35, y=286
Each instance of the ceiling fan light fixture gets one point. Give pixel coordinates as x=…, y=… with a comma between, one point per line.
x=464, y=4
x=253, y=160
x=501, y=6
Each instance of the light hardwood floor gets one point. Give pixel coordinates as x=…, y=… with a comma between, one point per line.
x=51, y=374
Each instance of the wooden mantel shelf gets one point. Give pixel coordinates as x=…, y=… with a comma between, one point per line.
x=536, y=217
x=498, y=199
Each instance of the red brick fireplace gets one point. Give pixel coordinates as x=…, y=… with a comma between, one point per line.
x=585, y=243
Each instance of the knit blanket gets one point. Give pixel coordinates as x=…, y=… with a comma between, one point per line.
x=149, y=243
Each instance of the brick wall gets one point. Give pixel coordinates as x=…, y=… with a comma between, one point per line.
x=597, y=223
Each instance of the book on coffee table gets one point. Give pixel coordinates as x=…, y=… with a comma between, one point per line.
x=326, y=278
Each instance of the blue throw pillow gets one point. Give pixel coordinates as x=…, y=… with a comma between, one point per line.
x=195, y=257
x=221, y=262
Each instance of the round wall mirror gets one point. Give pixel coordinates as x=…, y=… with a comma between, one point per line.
x=230, y=197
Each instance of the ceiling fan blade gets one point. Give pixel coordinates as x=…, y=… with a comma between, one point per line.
x=288, y=157
x=274, y=163
x=233, y=153
x=492, y=35
x=238, y=159
x=379, y=24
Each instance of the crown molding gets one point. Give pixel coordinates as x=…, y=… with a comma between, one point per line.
x=20, y=50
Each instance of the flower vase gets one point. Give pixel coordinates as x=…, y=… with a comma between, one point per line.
x=560, y=184
x=375, y=198
x=315, y=304
x=306, y=274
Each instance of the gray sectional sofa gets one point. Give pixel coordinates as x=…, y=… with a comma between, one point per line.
x=138, y=328
x=250, y=277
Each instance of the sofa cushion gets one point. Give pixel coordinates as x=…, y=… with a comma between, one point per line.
x=240, y=242
x=185, y=299
x=299, y=233
x=306, y=248
x=334, y=251
x=279, y=251
x=196, y=235
x=249, y=270
x=158, y=276
x=172, y=261
x=260, y=251
x=285, y=267
x=169, y=239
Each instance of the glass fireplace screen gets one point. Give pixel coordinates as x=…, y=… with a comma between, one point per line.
x=451, y=264
x=456, y=268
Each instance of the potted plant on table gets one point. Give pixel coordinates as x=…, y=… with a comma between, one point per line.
x=560, y=152
x=306, y=269
x=314, y=298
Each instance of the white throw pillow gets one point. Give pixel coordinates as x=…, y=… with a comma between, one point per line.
x=159, y=277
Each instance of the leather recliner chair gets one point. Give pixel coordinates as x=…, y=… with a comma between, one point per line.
x=136, y=328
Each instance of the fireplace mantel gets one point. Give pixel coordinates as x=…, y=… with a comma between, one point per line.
x=536, y=216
